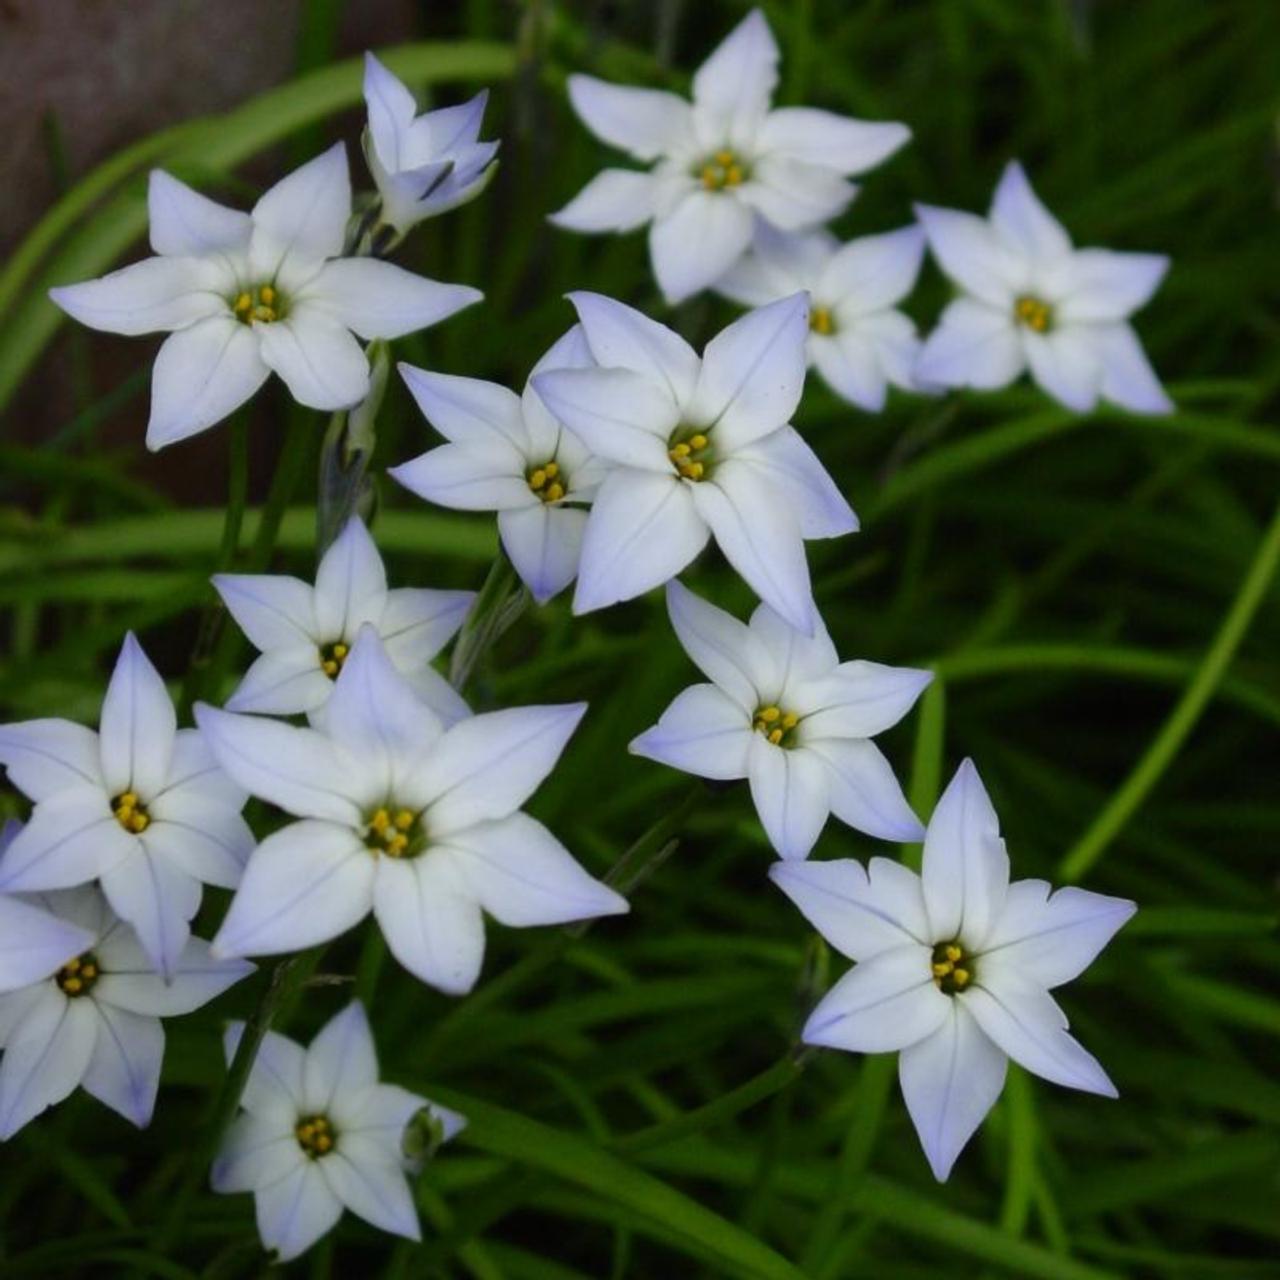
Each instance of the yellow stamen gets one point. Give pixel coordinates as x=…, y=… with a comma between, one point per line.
x=769, y=714
x=698, y=441
x=733, y=175
x=775, y=736
x=1033, y=312
x=954, y=953
x=72, y=986
x=820, y=321
x=340, y=651
x=724, y=158
x=404, y=819
x=942, y=969
x=681, y=450
x=127, y=800
x=960, y=977
x=329, y=667
x=710, y=177
x=242, y=303
x=138, y=822
x=790, y=720
x=554, y=492
x=552, y=469
x=538, y=479
x=267, y=294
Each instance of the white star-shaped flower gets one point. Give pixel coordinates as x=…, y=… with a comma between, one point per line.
x=696, y=446
x=305, y=632
x=1032, y=301
x=399, y=815
x=722, y=161
x=422, y=165
x=507, y=453
x=858, y=340
x=783, y=711
x=246, y=294
x=319, y=1134
x=94, y=1019
x=140, y=806
x=954, y=968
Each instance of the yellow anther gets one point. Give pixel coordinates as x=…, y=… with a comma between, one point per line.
x=324, y=1142
x=89, y=972
x=397, y=844
x=380, y=821
x=138, y=822
x=243, y=302
x=72, y=986
x=552, y=469
x=340, y=651
x=724, y=158
x=769, y=714
x=775, y=736
x=954, y=953
x=538, y=479
x=404, y=819
x=960, y=977
x=1033, y=312
x=694, y=470
x=820, y=320
x=267, y=295
x=265, y=314
x=790, y=720
x=942, y=968
x=698, y=441
x=554, y=492
x=710, y=177
x=329, y=667
x=72, y=966
x=127, y=800
x=732, y=175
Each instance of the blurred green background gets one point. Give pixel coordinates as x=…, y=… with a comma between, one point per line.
x=1097, y=595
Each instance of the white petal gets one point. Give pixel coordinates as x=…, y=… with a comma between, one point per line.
x=158, y=900
x=621, y=337
x=735, y=83
x=195, y=774
x=44, y=757
x=136, y=732
x=833, y=141
x=753, y=373
x=726, y=651
x=804, y=484
x=274, y=1087
x=432, y=924
x=892, y=337
x=478, y=415
x=341, y=1059
x=966, y=868
x=71, y=839
x=154, y=295
x=1102, y=285
x=973, y=346
x=791, y=794
x=545, y=432
x=383, y=1112
x=646, y=123
x=204, y=838
x=544, y=545
x=971, y=253
x=621, y=416
x=874, y=272
x=950, y=1080
x=1019, y=215
x=124, y=1071
x=296, y=769
x=887, y=1002
x=848, y=365
x=1026, y=1022
x=417, y=622
x=391, y=110
x=351, y=584
x=183, y=221
x=865, y=794
x=703, y=732
x=522, y=875
x=273, y=610
x=304, y=884
x=643, y=529
x=438, y=694
x=374, y=1189
x=795, y=658
x=697, y=242
x=306, y=212
x=283, y=683
x=614, y=200
x=793, y=195
x=201, y=375
x=760, y=538
x=35, y=943
x=488, y=766
x=296, y=1211
x=860, y=913
x=861, y=699
x=323, y=366
x=1064, y=364
x=1052, y=939
x=466, y=479
x=380, y=300
x=130, y=982
x=254, y=1154
x=45, y=1057
x=1127, y=378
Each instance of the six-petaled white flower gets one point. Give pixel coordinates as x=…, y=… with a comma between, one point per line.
x=422, y=165
x=319, y=1134
x=94, y=1020
x=507, y=453
x=140, y=806
x=305, y=632
x=696, y=447
x=419, y=824
x=954, y=967
x=723, y=160
x=858, y=340
x=785, y=712
x=245, y=294
x=1033, y=301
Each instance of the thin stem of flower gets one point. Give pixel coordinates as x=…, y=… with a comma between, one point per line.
x=1019, y=1187
x=1182, y=719
x=926, y=761
x=502, y=599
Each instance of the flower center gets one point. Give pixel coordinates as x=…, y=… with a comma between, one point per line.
x=315, y=1135
x=1034, y=313
x=952, y=969
x=822, y=321
x=332, y=656
x=77, y=977
x=397, y=832
x=262, y=304
x=546, y=482
x=723, y=169
x=130, y=812
x=690, y=452
x=778, y=726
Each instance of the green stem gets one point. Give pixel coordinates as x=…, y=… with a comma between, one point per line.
x=501, y=600
x=1159, y=755
x=926, y=760
x=1020, y=1175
